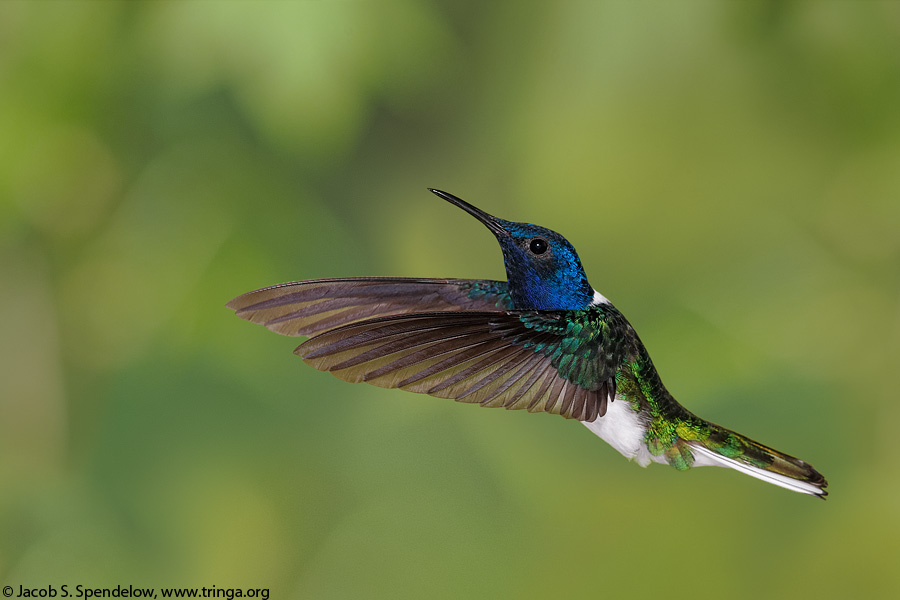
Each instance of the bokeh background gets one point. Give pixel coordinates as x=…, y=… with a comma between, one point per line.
x=729, y=171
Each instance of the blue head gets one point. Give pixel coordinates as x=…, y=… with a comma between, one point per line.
x=542, y=267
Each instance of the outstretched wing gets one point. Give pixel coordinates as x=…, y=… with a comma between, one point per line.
x=552, y=361
x=310, y=307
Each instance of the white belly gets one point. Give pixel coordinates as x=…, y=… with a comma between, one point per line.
x=622, y=429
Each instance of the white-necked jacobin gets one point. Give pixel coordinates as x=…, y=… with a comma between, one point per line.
x=544, y=341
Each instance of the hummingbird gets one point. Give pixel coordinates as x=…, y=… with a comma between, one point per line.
x=542, y=341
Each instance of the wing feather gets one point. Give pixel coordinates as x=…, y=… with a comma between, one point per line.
x=468, y=346
x=314, y=306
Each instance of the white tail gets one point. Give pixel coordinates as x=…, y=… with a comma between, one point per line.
x=704, y=457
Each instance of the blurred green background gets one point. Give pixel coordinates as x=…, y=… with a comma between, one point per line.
x=729, y=171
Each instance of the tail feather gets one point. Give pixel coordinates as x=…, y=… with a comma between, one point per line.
x=725, y=448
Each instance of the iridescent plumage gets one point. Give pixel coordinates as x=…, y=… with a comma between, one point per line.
x=544, y=341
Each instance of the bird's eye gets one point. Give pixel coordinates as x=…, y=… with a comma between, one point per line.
x=538, y=246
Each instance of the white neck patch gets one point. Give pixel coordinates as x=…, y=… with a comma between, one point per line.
x=600, y=298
